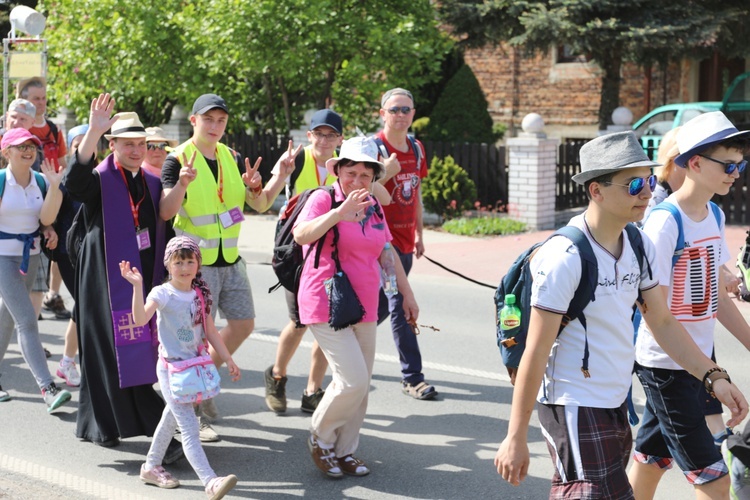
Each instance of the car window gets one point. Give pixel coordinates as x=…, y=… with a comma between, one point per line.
x=688, y=115
x=659, y=124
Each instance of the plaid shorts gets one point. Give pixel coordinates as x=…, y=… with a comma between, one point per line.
x=590, y=448
x=230, y=290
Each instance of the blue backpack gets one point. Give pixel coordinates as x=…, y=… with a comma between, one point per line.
x=518, y=281
x=37, y=176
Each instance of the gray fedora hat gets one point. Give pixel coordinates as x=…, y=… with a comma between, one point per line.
x=609, y=154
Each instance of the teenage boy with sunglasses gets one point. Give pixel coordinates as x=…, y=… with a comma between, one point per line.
x=673, y=428
x=584, y=418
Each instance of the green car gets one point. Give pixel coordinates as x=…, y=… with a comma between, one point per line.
x=656, y=123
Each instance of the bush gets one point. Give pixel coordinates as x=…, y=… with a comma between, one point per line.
x=460, y=114
x=484, y=226
x=419, y=125
x=448, y=190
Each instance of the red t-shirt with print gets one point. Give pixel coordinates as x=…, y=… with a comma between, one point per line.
x=401, y=214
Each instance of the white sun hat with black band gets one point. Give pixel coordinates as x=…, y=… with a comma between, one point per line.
x=702, y=132
x=127, y=126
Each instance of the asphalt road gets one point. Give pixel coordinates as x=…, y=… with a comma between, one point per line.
x=416, y=449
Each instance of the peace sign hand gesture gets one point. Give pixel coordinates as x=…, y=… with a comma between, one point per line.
x=100, y=116
x=251, y=177
x=287, y=163
x=188, y=172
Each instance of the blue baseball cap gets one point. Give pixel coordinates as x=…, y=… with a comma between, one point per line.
x=327, y=118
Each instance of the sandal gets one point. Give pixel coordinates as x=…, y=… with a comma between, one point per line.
x=353, y=466
x=324, y=459
x=422, y=390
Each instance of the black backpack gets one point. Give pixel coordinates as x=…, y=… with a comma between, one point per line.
x=287, y=258
x=518, y=281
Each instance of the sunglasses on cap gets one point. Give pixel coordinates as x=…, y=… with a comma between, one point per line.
x=157, y=145
x=405, y=110
x=729, y=167
x=636, y=185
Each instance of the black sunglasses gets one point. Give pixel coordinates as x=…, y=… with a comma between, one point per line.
x=636, y=185
x=729, y=166
x=157, y=145
x=405, y=110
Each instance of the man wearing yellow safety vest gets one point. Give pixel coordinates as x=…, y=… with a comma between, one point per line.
x=205, y=189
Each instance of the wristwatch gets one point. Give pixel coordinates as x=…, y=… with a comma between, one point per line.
x=712, y=376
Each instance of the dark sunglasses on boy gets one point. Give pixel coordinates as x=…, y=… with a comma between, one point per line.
x=636, y=185
x=405, y=110
x=729, y=166
x=157, y=145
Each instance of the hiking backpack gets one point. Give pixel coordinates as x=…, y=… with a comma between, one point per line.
x=385, y=153
x=287, y=260
x=39, y=178
x=518, y=281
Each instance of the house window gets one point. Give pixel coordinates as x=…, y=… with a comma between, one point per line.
x=565, y=54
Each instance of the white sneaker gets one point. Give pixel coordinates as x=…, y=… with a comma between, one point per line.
x=69, y=374
x=207, y=433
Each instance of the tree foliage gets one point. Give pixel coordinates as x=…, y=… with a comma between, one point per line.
x=609, y=31
x=460, y=114
x=272, y=60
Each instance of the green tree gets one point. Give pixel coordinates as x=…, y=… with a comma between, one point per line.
x=270, y=59
x=460, y=114
x=609, y=31
x=448, y=190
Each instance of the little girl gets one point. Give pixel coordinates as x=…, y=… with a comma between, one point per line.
x=183, y=317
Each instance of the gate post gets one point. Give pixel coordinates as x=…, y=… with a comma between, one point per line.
x=532, y=176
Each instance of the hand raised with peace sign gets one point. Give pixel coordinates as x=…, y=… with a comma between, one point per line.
x=251, y=177
x=188, y=172
x=287, y=163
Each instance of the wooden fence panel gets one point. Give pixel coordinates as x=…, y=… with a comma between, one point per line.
x=568, y=193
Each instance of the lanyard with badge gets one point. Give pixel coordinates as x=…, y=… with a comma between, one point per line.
x=231, y=217
x=143, y=239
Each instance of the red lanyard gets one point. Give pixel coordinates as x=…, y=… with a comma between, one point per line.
x=220, y=191
x=133, y=206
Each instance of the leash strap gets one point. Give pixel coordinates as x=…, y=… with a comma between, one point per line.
x=459, y=274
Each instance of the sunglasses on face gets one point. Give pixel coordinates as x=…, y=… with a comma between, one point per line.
x=729, y=167
x=25, y=148
x=157, y=145
x=636, y=185
x=404, y=110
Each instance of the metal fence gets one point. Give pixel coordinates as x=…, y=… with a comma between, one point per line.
x=568, y=193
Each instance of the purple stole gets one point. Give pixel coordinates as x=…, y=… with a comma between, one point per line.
x=135, y=347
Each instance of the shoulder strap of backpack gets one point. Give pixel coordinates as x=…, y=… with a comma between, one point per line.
x=319, y=244
x=417, y=150
x=2, y=183
x=41, y=183
x=299, y=163
x=717, y=214
x=52, y=130
x=381, y=146
x=680, y=244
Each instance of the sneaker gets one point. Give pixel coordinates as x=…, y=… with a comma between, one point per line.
x=220, y=486
x=54, y=303
x=207, y=433
x=275, y=391
x=310, y=402
x=158, y=477
x=54, y=397
x=70, y=374
x=4, y=396
x=722, y=436
x=208, y=409
x=324, y=459
x=739, y=475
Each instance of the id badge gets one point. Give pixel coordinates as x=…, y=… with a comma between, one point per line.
x=143, y=239
x=231, y=217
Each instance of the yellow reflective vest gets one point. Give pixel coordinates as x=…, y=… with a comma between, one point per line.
x=308, y=176
x=198, y=217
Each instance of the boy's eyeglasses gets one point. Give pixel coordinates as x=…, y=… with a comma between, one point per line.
x=328, y=137
x=157, y=145
x=405, y=110
x=636, y=185
x=25, y=148
x=729, y=166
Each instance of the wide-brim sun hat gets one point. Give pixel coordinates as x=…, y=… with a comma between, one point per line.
x=702, y=132
x=22, y=84
x=357, y=149
x=156, y=134
x=609, y=154
x=16, y=136
x=127, y=126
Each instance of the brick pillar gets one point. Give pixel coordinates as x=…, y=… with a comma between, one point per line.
x=532, y=179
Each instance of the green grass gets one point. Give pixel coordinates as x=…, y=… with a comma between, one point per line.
x=483, y=226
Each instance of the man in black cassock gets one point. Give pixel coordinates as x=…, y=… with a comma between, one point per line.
x=120, y=209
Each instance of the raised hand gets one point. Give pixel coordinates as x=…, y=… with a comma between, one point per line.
x=287, y=165
x=251, y=177
x=392, y=166
x=53, y=176
x=188, y=172
x=130, y=273
x=355, y=206
x=100, y=116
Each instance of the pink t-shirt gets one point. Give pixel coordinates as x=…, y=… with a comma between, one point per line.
x=359, y=245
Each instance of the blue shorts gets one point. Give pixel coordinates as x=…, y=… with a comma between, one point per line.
x=674, y=427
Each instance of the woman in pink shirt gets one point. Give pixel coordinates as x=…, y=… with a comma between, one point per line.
x=363, y=233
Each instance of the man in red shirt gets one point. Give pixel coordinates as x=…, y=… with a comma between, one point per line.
x=406, y=166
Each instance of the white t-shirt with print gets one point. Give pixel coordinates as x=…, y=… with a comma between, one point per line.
x=179, y=336
x=556, y=269
x=694, y=281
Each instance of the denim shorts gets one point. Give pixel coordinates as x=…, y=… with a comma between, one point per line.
x=674, y=427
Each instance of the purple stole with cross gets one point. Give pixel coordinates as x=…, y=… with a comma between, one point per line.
x=136, y=347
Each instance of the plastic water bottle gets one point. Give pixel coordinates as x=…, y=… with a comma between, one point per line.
x=388, y=271
x=510, y=320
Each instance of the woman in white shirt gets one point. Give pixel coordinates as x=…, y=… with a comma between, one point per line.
x=24, y=206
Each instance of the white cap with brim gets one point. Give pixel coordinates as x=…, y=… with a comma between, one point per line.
x=609, y=154
x=357, y=149
x=702, y=132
